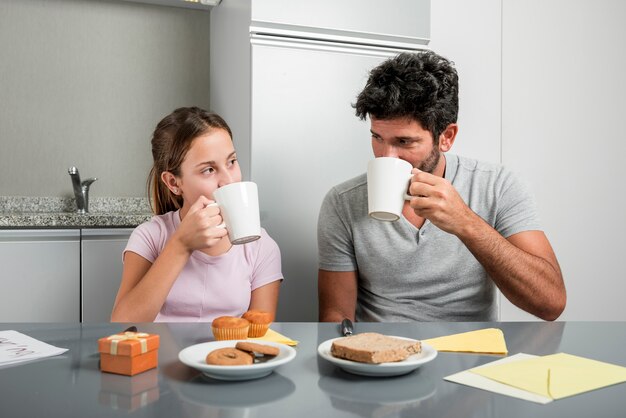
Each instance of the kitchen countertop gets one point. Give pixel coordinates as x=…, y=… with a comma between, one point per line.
x=60, y=212
x=70, y=385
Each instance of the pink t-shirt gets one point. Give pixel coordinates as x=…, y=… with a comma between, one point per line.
x=208, y=286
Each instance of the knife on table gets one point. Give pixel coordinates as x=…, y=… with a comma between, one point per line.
x=346, y=328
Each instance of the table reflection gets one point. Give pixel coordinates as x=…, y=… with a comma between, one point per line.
x=203, y=396
x=129, y=393
x=377, y=397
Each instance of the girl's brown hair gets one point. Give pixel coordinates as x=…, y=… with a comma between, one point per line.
x=171, y=140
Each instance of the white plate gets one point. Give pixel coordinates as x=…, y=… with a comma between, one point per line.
x=396, y=368
x=195, y=355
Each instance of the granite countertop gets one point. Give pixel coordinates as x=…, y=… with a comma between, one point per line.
x=60, y=212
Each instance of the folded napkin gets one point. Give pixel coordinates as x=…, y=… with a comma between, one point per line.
x=472, y=378
x=485, y=341
x=276, y=337
x=555, y=376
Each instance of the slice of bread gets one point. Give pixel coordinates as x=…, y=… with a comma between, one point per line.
x=372, y=347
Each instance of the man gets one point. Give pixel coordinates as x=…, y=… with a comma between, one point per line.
x=470, y=226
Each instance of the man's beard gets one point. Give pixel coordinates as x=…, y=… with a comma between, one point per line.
x=430, y=163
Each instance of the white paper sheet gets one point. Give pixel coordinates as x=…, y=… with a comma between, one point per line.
x=16, y=347
x=475, y=380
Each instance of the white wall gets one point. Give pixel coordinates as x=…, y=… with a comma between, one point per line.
x=469, y=33
x=85, y=82
x=563, y=73
x=541, y=91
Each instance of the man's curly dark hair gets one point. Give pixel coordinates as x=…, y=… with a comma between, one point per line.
x=421, y=86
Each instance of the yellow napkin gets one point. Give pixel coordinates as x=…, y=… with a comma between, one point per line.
x=274, y=336
x=467, y=377
x=486, y=341
x=555, y=376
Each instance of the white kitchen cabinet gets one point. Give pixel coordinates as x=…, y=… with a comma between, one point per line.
x=279, y=182
x=383, y=23
x=40, y=275
x=101, y=270
x=60, y=275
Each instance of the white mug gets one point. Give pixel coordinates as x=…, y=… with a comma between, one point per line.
x=239, y=207
x=387, y=186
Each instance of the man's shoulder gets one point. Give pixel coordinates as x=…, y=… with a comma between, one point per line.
x=475, y=165
x=462, y=169
x=346, y=197
x=356, y=184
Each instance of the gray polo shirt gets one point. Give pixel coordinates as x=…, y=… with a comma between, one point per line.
x=425, y=274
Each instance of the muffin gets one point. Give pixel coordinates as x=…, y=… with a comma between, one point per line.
x=230, y=328
x=259, y=322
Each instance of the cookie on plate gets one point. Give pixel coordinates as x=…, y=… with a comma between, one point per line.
x=229, y=356
x=266, y=350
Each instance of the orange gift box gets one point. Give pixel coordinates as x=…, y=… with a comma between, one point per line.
x=128, y=353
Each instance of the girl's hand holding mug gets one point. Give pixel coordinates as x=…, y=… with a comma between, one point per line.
x=202, y=226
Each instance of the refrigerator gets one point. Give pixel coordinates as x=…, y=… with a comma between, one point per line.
x=284, y=74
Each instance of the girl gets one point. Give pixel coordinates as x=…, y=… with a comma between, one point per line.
x=178, y=266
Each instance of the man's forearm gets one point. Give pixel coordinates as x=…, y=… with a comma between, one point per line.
x=529, y=281
x=337, y=295
x=332, y=315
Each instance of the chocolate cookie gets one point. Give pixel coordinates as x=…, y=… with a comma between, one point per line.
x=266, y=350
x=229, y=356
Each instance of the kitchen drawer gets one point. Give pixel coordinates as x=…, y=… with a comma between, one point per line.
x=101, y=252
x=40, y=275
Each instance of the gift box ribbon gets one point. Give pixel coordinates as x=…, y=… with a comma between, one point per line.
x=134, y=336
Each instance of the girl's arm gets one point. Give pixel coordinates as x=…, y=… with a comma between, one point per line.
x=265, y=298
x=145, y=285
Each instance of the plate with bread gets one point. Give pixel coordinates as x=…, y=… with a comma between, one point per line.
x=374, y=354
x=236, y=359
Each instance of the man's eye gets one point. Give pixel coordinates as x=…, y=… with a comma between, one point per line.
x=233, y=161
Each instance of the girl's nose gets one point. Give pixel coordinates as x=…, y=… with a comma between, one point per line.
x=225, y=178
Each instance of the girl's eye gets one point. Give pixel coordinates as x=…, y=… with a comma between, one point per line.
x=208, y=170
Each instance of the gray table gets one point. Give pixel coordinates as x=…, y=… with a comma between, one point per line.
x=71, y=385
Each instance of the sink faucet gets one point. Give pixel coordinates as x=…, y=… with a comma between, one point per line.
x=81, y=190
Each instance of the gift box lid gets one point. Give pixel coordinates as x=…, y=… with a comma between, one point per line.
x=128, y=343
